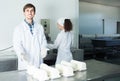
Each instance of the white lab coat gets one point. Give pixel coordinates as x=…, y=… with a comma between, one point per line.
x=30, y=45
x=63, y=42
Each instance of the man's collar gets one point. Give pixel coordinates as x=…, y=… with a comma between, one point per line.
x=29, y=23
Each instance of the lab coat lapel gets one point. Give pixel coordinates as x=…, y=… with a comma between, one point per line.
x=36, y=48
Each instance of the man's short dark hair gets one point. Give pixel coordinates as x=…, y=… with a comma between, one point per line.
x=29, y=5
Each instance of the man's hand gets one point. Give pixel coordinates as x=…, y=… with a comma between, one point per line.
x=24, y=57
x=44, y=52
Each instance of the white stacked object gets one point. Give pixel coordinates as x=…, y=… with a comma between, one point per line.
x=36, y=73
x=40, y=75
x=69, y=64
x=46, y=72
x=79, y=65
x=65, y=70
x=30, y=69
x=53, y=73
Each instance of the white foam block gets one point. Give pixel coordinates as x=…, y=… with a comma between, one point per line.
x=80, y=66
x=40, y=74
x=36, y=73
x=65, y=70
x=30, y=69
x=53, y=73
x=69, y=64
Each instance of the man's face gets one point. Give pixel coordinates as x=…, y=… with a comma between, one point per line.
x=29, y=13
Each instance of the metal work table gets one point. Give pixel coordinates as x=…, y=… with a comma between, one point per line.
x=96, y=71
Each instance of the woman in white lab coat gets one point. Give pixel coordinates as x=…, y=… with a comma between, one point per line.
x=28, y=44
x=63, y=41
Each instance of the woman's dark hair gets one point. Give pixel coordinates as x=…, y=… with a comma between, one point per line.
x=67, y=25
x=29, y=5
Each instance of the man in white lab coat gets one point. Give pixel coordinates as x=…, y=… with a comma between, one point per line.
x=29, y=41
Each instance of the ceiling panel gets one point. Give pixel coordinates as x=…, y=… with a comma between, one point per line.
x=115, y=3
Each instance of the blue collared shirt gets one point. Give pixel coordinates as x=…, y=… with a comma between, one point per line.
x=31, y=26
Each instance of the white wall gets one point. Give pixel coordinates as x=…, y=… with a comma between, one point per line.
x=91, y=16
x=11, y=14
x=60, y=8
